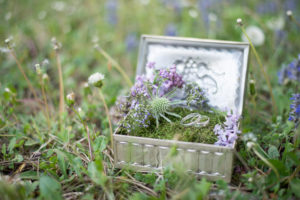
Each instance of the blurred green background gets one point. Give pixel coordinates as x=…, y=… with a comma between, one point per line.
x=118, y=24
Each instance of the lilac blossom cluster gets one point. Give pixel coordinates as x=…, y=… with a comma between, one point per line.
x=290, y=72
x=295, y=109
x=171, y=79
x=228, y=132
x=195, y=96
x=139, y=87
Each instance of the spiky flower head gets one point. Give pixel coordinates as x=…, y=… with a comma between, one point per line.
x=96, y=80
x=159, y=105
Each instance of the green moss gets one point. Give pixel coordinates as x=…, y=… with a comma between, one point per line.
x=179, y=132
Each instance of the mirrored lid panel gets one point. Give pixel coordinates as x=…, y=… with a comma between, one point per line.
x=219, y=67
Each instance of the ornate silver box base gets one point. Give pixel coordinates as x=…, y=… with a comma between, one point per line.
x=220, y=67
x=147, y=154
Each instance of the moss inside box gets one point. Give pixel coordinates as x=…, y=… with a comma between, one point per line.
x=179, y=132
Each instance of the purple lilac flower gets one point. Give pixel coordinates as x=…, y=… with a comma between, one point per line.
x=172, y=79
x=295, y=109
x=131, y=42
x=111, y=10
x=171, y=30
x=139, y=87
x=227, y=133
x=290, y=72
x=151, y=65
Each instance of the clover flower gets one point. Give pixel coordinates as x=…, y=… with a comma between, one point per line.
x=290, y=72
x=228, y=132
x=96, y=80
x=295, y=109
x=70, y=99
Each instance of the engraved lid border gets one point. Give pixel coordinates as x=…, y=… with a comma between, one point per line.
x=179, y=41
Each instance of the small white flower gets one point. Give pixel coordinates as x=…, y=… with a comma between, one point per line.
x=59, y=5
x=145, y=2
x=250, y=145
x=289, y=13
x=255, y=34
x=212, y=17
x=96, y=79
x=193, y=13
x=71, y=96
x=85, y=84
x=7, y=90
x=45, y=62
x=38, y=69
x=70, y=99
x=276, y=24
x=8, y=16
x=42, y=15
x=239, y=21
x=45, y=77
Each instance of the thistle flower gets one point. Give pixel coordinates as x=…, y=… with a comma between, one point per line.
x=96, y=80
x=70, y=99
x=295, y=109
x=255, y=34
x=227, y=133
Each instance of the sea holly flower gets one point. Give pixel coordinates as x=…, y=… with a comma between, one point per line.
x=96, y=80
x=295, y=109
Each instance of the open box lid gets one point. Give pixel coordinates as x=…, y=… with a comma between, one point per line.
x=219, y=67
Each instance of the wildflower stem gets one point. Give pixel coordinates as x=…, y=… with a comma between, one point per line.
x=116, y=65
x=256, y=150
x=61, y=87
x=108, y=116
x=262, y=70
x=46, y=103
x=24, y=74
x=86, y=128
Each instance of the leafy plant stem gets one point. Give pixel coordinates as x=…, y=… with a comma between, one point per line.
x=61, y=88
x=266, y=77
x=12, y=52
x=116, y=65
x=265, y=160
x=87, y=132
x=45, y=103
x=108, y=117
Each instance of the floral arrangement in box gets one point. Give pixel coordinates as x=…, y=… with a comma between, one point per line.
x=154, y=110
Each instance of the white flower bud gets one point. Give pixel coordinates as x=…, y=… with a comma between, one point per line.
x=71, y=99
x=96, y=80
x=239, y=21
x=38, y=69
x=289, y=13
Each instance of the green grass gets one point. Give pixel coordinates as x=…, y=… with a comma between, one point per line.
x=41, y=162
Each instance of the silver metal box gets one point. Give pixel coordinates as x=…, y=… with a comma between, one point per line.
x=220, y=67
